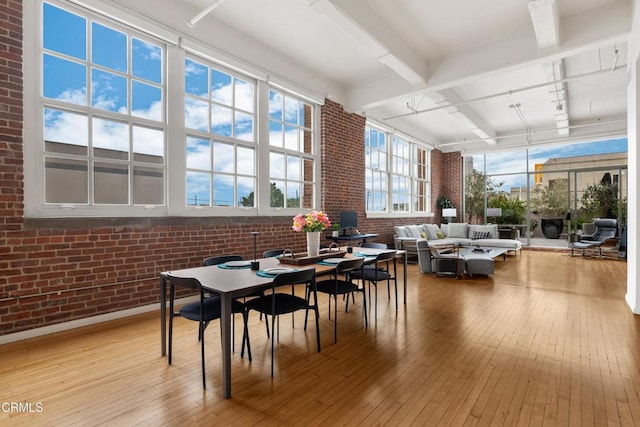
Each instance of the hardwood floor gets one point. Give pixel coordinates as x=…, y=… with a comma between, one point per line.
x=549, y=340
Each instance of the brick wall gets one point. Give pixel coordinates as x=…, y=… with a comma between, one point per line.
x=56, y=270
x=450, y=181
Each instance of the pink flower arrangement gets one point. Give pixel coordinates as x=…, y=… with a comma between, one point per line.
x=313, y=221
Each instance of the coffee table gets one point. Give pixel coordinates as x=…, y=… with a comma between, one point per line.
x=493, y=253
x=481, y=260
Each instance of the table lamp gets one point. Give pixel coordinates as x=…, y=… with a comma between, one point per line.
x=449, y=213
x=494, y=212
x=255, y=264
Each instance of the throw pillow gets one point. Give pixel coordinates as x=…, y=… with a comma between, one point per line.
x=492, y=229
x=440, y=235
x=423, y=235
x=457, y=229
x=401, y=231
x=480, y=235
x=432, y=231
x=414, y=231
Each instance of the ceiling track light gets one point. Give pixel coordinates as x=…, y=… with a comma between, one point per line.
x=516, y=108
x=193, y=21
x=615, y=58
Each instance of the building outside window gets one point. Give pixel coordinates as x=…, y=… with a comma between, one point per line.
x=102, y=113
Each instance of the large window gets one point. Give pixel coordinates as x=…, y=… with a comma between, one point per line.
x=397, y=174
x=220, y=150
x=572, y=183
x=103, y=116
x=117, y=134
x=291, y=151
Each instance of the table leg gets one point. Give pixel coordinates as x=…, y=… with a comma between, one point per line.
x=225, y=333
x=163, y=316
x=404, y=265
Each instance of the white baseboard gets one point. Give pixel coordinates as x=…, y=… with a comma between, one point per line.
x=632, y=304
x=78, y=323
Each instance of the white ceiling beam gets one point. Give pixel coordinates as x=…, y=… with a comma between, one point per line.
x=589, y=30
x=465, y=115
x=367, y=28
x=546, y=25
x=607, y=128
x=545, y=19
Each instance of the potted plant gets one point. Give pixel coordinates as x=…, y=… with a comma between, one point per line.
x=335, y=230
x=552, y=203
x=445, y=203
x=533, y=224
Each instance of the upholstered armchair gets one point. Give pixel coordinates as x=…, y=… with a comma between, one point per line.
x=604, y=236
x=606, y=228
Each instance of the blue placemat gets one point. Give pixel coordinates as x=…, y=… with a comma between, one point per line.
x=231, y=267
x=363, y=255
x=326, y=263
x=263, y=273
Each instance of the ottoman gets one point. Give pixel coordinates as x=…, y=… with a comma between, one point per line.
x=479, y=264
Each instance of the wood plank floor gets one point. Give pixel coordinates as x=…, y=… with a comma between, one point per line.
x=549, y=340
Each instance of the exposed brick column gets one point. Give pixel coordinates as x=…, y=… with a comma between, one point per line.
x=342, y=161
x=11, y=117
x=447, y=180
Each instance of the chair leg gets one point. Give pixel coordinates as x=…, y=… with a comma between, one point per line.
x=170, y=336
x=266, y=323
x=205, y=327
x=315, y=309
x=375, y=285
x=395, y=285
x=204, y=377
x=245, y=335
x=307, y=296
x=335, y=318
x=293, y=319
x=273, y=325
x=364, y=309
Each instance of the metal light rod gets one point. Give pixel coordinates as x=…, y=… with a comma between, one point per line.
x=193, y=21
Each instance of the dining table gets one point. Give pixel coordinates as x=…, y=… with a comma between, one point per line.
x=231, y=283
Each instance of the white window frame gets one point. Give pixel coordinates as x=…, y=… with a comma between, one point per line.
x=392, y=173
x=232, y=140
x=299, y=154
x=176, y=47
x=35, y=103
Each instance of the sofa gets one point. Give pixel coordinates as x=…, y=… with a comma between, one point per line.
x=417, y=238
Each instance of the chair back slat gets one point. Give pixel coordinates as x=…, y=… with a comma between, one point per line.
x=221, y=259
x=294, y=277
x=349, y=265
x=272, y=252
x=184, y=282
x=386, y=256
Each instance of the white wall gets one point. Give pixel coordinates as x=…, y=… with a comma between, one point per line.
x=633, y=126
